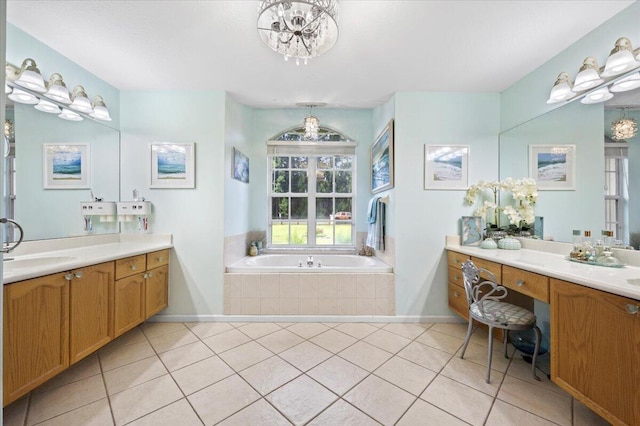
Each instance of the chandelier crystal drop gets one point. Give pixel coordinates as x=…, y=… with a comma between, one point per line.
x=300, y=29
x=625, y=128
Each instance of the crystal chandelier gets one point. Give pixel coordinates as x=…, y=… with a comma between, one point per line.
x=299, y=29
x=311, y=123
x=625, y=128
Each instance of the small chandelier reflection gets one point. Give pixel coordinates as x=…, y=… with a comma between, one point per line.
x=624, y=128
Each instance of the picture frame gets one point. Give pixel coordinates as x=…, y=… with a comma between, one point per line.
x=553, y=167
x=382, y=160
x=240, y=166
x=472, y=230
x=66, y=166
x=446, y=167
x=172, y=165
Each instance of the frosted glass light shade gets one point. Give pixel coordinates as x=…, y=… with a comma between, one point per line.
x=46, y=106
x=597, y=96
x=621, y=59
x=67, y=114
x=57, y=90
x=588, y=76
x=561, y=90
x=100, y=111
x=7, y=89
x=80, y=100
x=23, y=97
x=30, y=77
x=628, y=83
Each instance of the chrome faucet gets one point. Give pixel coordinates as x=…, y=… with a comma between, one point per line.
x=310, y=261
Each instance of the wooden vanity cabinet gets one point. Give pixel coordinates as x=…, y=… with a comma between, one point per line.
x=157, y=282
x=35, y=333
x=595, y=350
x=457, y=296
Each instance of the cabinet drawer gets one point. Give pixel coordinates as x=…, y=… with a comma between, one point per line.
x=493, y=267
x=458, y=300
x=130, y=266
x=455, y=276
x=525, y=282
x=157, y=258
x=456, y=259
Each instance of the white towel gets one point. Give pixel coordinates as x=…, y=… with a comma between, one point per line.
x=375, y=227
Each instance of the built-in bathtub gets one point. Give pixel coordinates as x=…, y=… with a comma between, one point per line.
x=284, y=284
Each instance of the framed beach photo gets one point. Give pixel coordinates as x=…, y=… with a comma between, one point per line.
x=446, y=167
x=472, y=230
x=66, y=166
x=553, y=167
x=172, y=165
x=382, y=161
x=240, y=165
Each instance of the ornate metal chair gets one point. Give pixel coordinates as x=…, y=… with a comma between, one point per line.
x=483, y=298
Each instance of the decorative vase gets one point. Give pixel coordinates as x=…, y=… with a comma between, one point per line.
x=488, y=243
x=509, y=244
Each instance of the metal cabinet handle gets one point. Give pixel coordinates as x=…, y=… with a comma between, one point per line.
x=68, y=277
x=134, y=267
x=159, y=259
x=456, y=260
x=632, y=309
x=150, y=274
x=455, y=294
x=79, y=274
x=457, y=277
x=520, y=283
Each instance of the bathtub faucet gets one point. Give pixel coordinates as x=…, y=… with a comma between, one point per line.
x=310, y=261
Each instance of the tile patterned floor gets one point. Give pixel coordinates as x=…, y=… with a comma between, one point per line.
x=298, y=373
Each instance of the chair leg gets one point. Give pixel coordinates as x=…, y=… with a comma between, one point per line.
x=535, y=352
x=489, y=355
x=506, y=339
x=466, y=339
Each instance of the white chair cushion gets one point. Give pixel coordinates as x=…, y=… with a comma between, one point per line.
x=502, y=313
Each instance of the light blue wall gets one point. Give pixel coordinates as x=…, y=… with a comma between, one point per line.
x=425, y=217
x=195, y=217
x=381, y=117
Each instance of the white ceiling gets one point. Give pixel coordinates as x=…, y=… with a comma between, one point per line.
x=384, y=46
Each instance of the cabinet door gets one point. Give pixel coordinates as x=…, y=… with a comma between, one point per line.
x=129, y=303
x=36, y=333
x=157, y=290
x=91, y=309
x=595, y=355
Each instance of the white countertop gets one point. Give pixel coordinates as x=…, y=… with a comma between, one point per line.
x=42, y=258
x=621, y=281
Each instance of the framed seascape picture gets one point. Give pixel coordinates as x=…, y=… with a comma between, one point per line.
x=446, y=167
x=240, y=169
x=553, y=166
x=471, y=230
x=66, y=166
x=172, y=165
x=382, y=161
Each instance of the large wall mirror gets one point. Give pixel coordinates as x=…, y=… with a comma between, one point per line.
x=607, y=178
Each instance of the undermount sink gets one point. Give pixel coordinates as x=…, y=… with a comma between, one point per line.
x=35, y=262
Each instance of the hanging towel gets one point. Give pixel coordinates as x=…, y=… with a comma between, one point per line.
x=376, y=224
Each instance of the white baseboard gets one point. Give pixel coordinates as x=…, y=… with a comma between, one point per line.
x=307, y=318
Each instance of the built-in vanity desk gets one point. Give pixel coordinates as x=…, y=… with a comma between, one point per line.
x=66, y=298
x=595, y=321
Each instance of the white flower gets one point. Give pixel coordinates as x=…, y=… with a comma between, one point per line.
x=524, y=194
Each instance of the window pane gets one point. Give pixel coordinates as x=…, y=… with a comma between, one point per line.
x=299, y=208
x=279, y=208
x=280, y=233
x=281, y=181
x=343, y=205
x=343, y=162
x=343, y=182
x=324, y=233
x=280, y=162
x=299, y=162
x=343, y=233
x=324, y=184
x=299, y=182
x=299, y=233
x=324, y=163
x=324, y=208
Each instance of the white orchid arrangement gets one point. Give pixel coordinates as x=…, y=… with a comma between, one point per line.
x=524, y=193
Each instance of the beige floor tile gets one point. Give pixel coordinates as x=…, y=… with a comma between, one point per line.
x=65, y=398
x=269, y=374
x=338, y=374
x=473, y=375
x=133, y=374
x=201, y=374
x=406, y=375
x=285, y=324
x=256, y=330
x=358, y=330
x=207, y=329
x=305, y=356
x=459, y=400
x=258, y=413
x=365, y=355
x=410, y=331
x=378, y=324
x=478, y=354
x=226, y=340
x=238, y=324
x=135, y=335
x=503, y=414
x=544, y=403
x=333, y=340
x=89, y=366
x=246, y=355
x=386, y=340
x=166, y=342
x=301, y=399
x=141, y=400
x=185, y=355
x=125, y=355
x=421, y=410
x=522, y=370
x=159, y=328
x=342, y=413
x=280, y=341
x=97, y=413
x=583, y=416
x=177, y=413
x=220, y=400
x=379, y=399
x=15, y=413
x=331, y=324
x=308, y=330
x=458, y=330
x=441, y=341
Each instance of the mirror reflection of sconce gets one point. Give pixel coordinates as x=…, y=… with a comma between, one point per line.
x=9, y=136
x=622, y=59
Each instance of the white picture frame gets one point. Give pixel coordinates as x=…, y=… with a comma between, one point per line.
x=172, y=165
x=66, y=166
x=446, y=167
x=553, y=167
